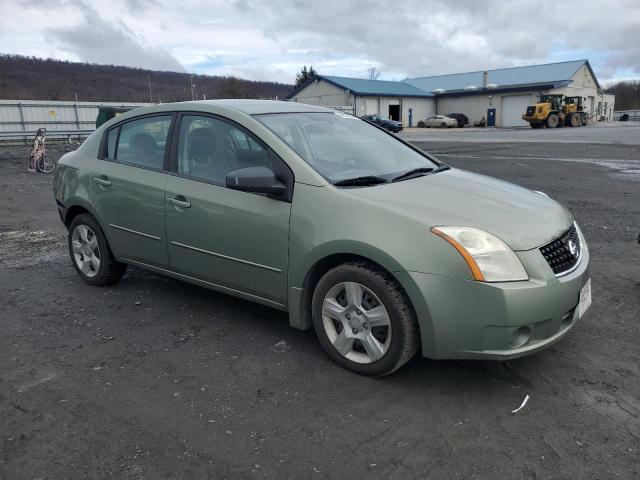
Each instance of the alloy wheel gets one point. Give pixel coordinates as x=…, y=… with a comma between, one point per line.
x=86, y=251
x=356, y=322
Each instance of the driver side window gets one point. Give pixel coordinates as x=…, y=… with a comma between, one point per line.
x=209, y=148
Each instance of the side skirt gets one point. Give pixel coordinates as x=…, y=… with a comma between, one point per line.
x=203, y=283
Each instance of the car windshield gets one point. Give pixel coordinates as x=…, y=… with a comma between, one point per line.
x=341, y=146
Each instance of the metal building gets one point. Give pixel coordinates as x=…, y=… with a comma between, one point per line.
x=396, y=100
x=499, y=96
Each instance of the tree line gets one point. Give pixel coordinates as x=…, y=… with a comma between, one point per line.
x=31, y=78
x=627, y=94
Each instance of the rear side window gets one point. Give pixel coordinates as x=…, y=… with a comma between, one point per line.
x=112, y=137
x=142, y=142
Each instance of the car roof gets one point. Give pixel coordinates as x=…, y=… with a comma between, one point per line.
x=253, y=107
x=247, y=107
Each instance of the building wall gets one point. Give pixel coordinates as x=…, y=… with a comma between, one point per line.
x=324, y=94
x=422, y=108
x=473, y=106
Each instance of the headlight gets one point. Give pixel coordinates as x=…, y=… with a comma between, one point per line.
x=488, y=257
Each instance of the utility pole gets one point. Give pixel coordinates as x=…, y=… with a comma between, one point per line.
x=193, y=88
x=149, y=82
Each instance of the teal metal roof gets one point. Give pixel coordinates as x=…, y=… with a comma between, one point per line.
x=549, y=75
x=361, y=86
x=555, y=74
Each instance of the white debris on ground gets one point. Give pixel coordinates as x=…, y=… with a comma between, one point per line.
x=281, y=346
x=524, y=402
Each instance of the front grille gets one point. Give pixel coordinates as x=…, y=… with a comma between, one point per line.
x=531, y=110
x=563, y=253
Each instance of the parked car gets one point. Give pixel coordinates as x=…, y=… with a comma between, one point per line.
x=438, y=121
x=391, y=125
x=379, y=246
x=461, y=118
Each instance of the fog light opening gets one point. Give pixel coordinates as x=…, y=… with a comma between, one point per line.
x=520, y=337
x=567, y=320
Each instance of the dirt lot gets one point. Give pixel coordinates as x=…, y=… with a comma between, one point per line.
x=153, y=378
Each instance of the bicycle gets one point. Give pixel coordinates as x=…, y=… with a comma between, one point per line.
x=39, y=161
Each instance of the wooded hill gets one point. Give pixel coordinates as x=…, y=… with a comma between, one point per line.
x=627, y=94
x=30, y=78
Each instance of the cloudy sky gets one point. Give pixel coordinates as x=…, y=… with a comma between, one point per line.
x=272, y=39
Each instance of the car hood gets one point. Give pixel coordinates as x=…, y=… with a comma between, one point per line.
x=524, y=219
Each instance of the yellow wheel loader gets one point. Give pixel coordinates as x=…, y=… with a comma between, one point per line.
x=545, y=113
x=573, y=112
x=556, y=110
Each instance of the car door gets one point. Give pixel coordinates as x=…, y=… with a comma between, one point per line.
x=127, y=189
x=431, y=121
x=235, y=240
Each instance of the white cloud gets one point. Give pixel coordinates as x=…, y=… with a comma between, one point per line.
x=272, y=40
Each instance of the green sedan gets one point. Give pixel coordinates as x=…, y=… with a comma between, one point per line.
x=380, y=247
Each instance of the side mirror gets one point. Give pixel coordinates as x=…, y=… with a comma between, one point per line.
x=257, y=180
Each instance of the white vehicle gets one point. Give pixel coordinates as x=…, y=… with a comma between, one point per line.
x=438, y=121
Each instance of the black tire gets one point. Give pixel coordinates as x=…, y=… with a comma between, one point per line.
x=421, y=124
x=403, y=324
x=443, y=124
x=536, y=125
x=575, y=120
x=552, y=120
x=110, y=270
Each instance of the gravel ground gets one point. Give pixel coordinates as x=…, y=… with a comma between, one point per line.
x=153, y=378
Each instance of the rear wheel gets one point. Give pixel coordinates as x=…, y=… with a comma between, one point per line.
x=90, y=252
x=421, y=124
x=364, y=320
x=552, y=120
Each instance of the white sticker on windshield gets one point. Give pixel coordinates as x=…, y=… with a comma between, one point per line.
x=346, y=115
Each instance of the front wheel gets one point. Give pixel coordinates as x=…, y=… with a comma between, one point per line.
x=552, y=120
x=90, y=252
x=364, y=320
x=443, y=125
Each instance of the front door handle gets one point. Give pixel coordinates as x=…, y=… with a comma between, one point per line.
x=103, y=180
x=179, y=201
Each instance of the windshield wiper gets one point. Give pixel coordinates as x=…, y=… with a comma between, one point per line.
x=416, y=172
x=357, y=181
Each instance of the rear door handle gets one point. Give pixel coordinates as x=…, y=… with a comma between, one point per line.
x=180, y=201
x=103, y=180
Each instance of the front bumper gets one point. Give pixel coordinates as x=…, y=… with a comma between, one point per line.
x=467, y=319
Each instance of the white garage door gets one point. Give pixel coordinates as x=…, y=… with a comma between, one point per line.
x=371, y=105
x=513, y=107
